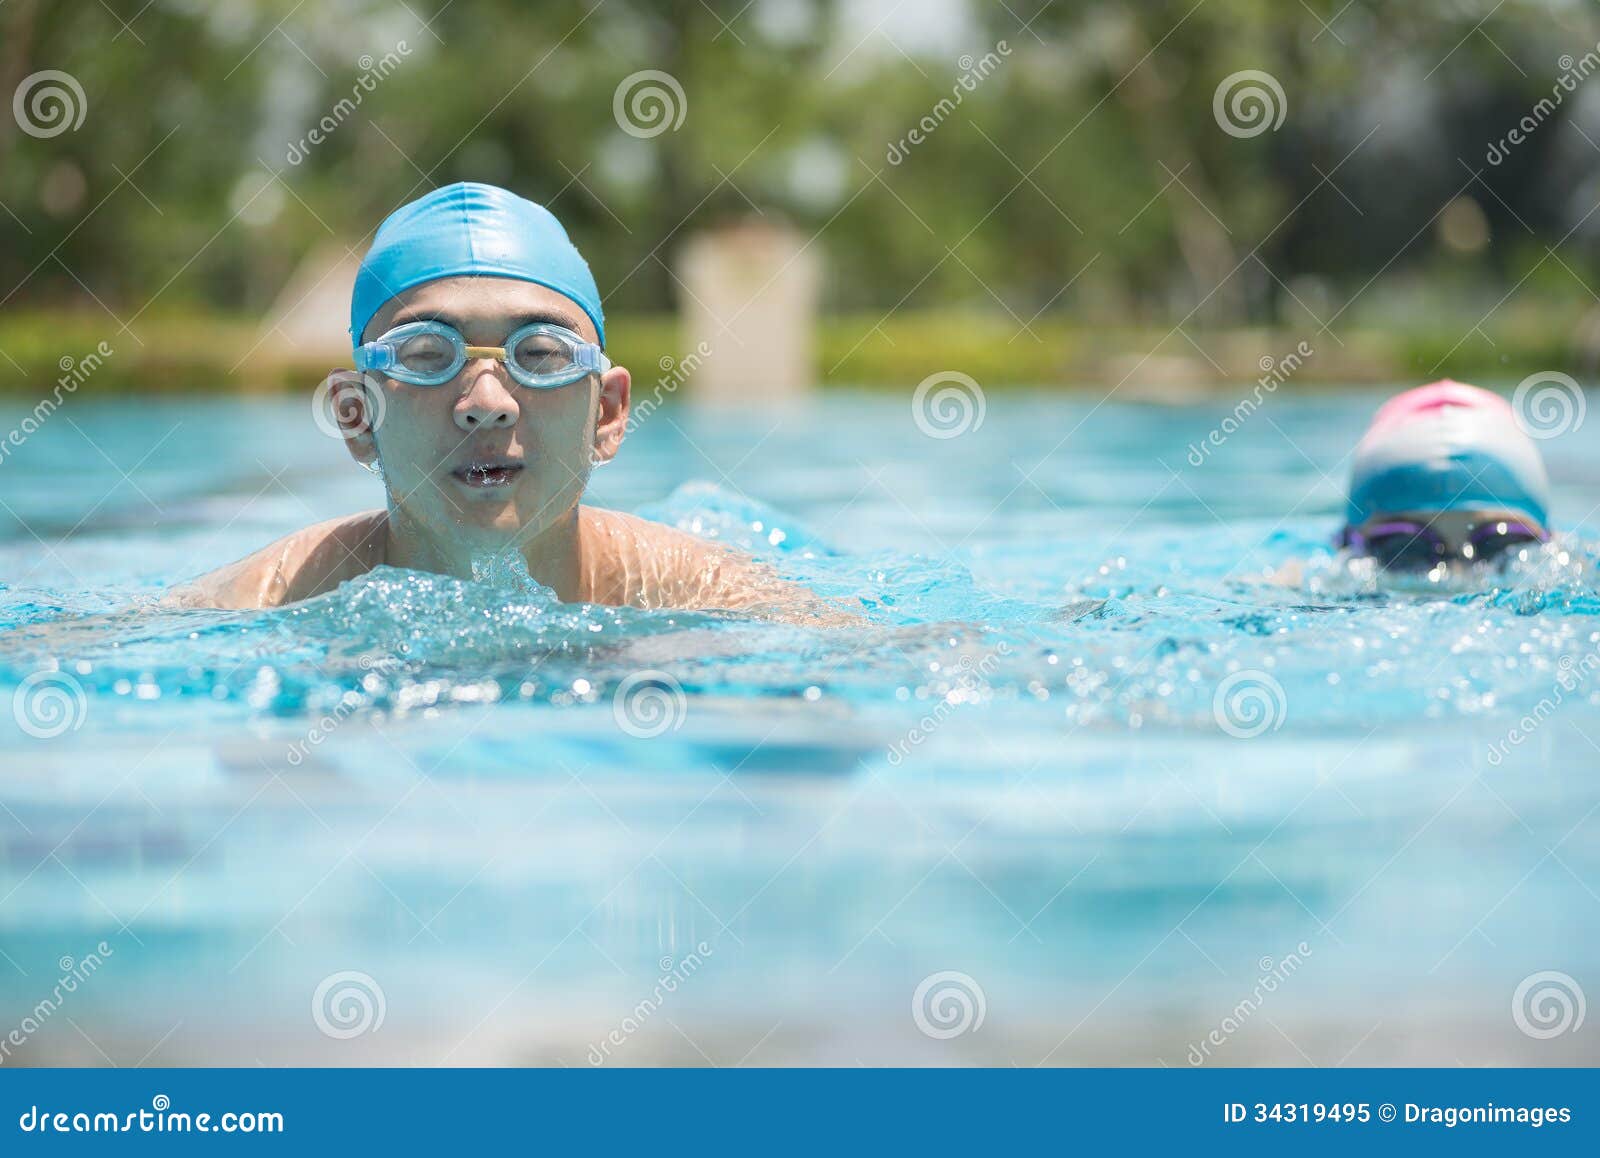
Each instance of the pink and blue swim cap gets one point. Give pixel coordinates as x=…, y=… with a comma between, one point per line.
x=1446, y=446
x=470, y=229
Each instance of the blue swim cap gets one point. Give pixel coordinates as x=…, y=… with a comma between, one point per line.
x=466, y=229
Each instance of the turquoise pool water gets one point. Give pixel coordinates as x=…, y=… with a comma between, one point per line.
x=1098, y=781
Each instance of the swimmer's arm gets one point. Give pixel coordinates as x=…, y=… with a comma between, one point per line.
x=645, y=564
x=299, y=566
x=729, y=581
x=296, y=567
x=712, y=577
x=240, y=586
x=1289, y=573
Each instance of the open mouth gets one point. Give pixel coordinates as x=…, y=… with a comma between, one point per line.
x=488, y=475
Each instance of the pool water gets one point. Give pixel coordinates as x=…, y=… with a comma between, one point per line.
x=1123, y=766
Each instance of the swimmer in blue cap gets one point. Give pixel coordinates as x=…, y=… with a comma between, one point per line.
x=485, y=400
x=1445, y=478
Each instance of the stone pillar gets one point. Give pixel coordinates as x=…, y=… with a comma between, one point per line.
x=749, y=306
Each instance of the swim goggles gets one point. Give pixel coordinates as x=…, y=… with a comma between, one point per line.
x=541, y=356
x=1404, y=542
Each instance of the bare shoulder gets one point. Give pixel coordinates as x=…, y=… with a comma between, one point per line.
x=298, y=566
x=633, y=561
x=608, y=529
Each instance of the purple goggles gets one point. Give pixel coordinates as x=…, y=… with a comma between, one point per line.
x=1408, y=543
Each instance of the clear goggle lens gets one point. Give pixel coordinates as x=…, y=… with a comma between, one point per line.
x=542, y=355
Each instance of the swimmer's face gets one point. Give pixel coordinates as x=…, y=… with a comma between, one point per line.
x=481, y=457
x=1438, y=543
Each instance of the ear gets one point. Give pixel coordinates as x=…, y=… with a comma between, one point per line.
x=357, y=402
x=611, y=417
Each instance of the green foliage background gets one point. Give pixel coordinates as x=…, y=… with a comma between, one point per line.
x=1081, y=200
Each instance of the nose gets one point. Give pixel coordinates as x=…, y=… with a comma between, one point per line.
x=488, y=402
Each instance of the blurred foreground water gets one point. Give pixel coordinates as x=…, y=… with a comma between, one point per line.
x=1098, y=780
